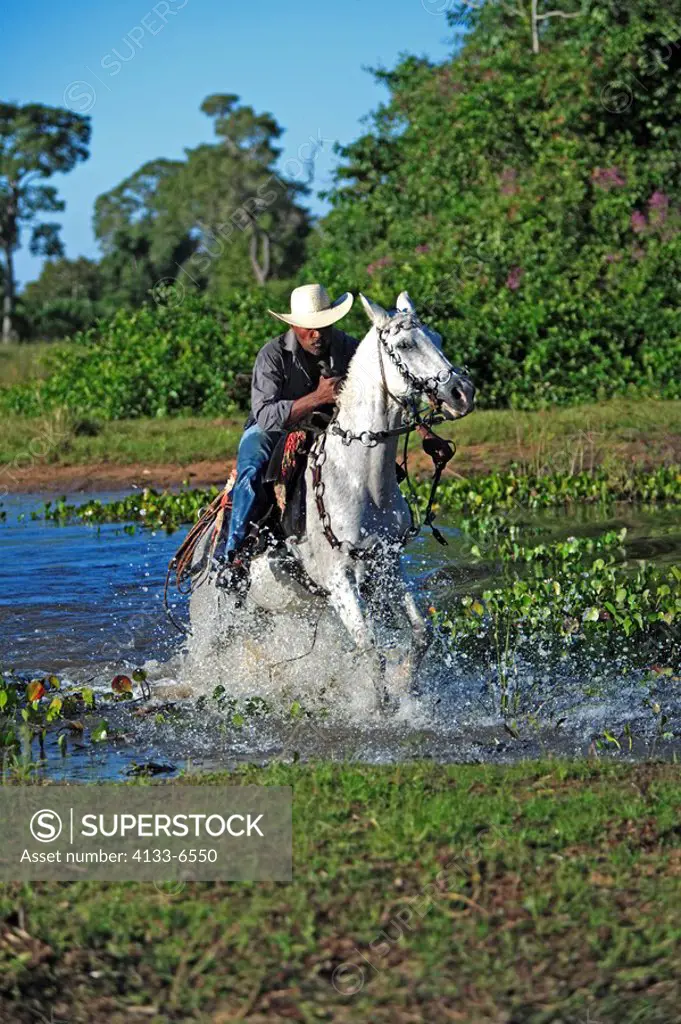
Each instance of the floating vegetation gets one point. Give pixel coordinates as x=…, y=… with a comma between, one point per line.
x=159, y=510
x=599, y=599
x=496, y=491
x=478, y=495
x=578, y=588
x=43, y=709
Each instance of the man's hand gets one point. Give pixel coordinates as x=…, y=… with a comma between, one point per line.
x=326, y=390
x=324, y=394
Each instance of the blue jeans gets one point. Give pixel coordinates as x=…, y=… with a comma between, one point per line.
x=255, y=451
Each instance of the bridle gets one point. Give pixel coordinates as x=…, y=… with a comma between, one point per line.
x=419, y=386
x=427, y=386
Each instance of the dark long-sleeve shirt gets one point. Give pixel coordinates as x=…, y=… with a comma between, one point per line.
x=281, y=375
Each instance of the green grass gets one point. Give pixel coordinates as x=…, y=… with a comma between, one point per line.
x=621, y=419
x=537, y=893
x=68, y=441
x=567, y=438
x=573, y=438
x=21, y=362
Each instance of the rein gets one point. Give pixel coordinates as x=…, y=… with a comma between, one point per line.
x=371, y=438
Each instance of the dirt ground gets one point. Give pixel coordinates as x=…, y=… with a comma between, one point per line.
x=107, y=476
x=471, y=459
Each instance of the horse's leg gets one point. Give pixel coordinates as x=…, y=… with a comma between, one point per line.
x=344, y=598
x=393, y=589
x=421, y=632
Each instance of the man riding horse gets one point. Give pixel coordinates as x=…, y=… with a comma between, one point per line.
x=295, y=375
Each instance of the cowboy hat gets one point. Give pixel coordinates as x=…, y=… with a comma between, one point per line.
x=311, y=307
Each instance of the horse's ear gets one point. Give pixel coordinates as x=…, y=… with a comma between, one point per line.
x=376, y=313
x=404, y=304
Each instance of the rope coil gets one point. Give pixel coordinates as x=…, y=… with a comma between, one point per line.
x=181, y=563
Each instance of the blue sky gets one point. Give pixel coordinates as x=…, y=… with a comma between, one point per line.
x=141, y=68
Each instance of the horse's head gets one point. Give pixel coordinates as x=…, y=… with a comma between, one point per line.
x=413, y=363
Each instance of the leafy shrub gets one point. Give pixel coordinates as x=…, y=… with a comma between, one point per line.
x=181, y=355
x=534, y=218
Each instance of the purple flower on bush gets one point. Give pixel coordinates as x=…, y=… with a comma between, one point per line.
x=514, y=278
x=608, y=178
x=384, y=261
x=508, y=181
x=613, y=257
x=659, y=201
x=638, y=222
x=422, y=248
x=658, y=205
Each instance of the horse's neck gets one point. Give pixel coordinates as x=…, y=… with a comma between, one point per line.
x=363, y=403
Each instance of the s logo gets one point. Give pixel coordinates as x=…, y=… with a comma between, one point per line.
x=46, y=826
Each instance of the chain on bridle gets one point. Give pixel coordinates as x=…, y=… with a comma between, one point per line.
x=427, y=386
x=421, y=385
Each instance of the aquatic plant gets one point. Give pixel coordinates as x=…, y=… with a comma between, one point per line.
x=600, y=598
x=496, y=491
x=151, y=508
x=477, y=496
x=42, y=709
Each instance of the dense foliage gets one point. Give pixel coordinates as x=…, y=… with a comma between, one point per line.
x=530, y=200
x=527, y=192
x=68, y=297
x=179, y=355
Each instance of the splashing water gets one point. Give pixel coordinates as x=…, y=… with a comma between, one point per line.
x=87, y=603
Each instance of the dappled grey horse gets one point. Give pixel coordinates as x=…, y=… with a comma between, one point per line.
x=358, y=521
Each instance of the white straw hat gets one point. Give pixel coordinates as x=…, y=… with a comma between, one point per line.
x=311, y=307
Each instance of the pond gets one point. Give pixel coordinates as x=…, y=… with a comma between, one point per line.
x=86, y=603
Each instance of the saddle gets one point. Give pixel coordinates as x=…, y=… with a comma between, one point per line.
x=284, y=484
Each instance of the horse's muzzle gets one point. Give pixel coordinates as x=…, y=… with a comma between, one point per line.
x=458, y=396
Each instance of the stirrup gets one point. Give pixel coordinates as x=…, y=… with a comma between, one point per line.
x=232, y=574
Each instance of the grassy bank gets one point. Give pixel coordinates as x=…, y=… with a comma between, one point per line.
x=537, y=893
x=570, y=439
x=21, y=362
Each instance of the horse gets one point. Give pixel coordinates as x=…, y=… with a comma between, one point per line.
x=357, y=520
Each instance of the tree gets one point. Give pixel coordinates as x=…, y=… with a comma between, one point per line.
x=222, y=218
x=63, y=278
x=254, y=200
x=35, y=142
x=473, y=13
x=530, y=202
x=142, y=240
x=65, y=298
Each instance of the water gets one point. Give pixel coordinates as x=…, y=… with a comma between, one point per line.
x=80, y=597
x=86, y=602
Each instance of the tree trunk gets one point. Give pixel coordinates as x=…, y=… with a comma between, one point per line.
x=535, y=30
x=8, y=298
x=261, y=267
